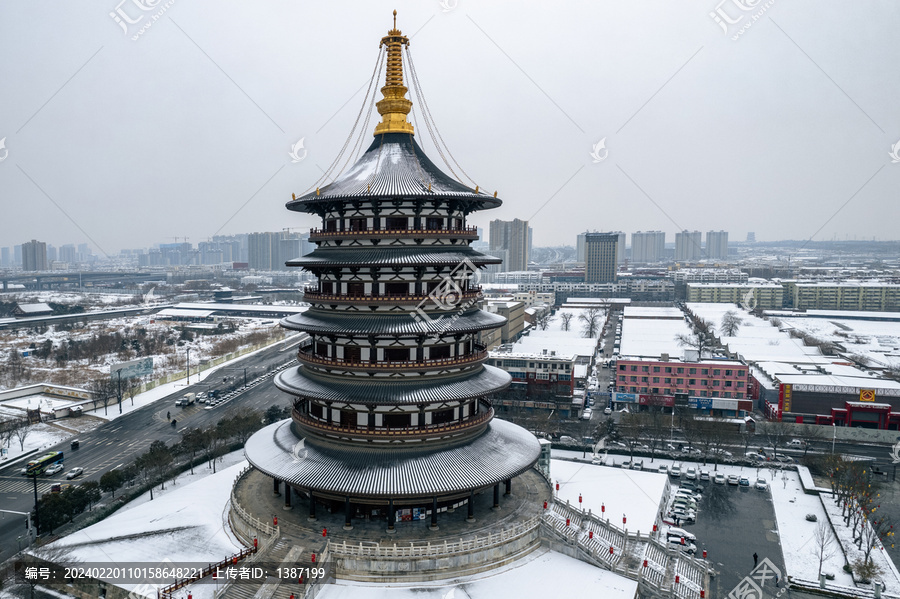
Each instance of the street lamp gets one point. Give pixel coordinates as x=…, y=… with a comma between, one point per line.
x=188, y=365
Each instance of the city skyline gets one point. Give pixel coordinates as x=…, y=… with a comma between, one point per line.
x=679, y=132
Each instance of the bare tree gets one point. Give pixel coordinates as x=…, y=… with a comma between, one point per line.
x=104, y=390
x=775, y=434
x=134, y=385
x=591, y=320
x=823, y=543
x=566, y=320
x=21, y=428
x=542, y=319
x=700, y=341
x=730, y=324
x=7, y=431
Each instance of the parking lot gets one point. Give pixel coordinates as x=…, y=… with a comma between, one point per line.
x=732, y=524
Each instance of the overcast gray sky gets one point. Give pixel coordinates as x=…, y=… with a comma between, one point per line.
x=123, y=137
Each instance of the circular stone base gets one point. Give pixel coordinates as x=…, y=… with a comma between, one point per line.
x=530, y=490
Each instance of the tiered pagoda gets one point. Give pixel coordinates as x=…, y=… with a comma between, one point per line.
x=391, y=397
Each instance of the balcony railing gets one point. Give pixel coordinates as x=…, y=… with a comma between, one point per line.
x=316, y=234
x=405, y=432
x=312, y=294
x=307, y=357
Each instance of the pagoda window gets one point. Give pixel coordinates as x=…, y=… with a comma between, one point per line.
x=357, y=224
x=356, y=288
x=442, y=416
x=433, y=224
x=331, y=225
x=315, y=410
x=396, y=288
x=396, y=354
x=327, y=287
x=396, y=223
x=348, y=419
x=322, y=349
x=439, y=352
x=396, y=420
x=458, y=224
x=352, y=353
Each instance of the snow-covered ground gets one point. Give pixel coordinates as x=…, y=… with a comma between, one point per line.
x=187, y=524
x=39, y=436
x=878, y=341
x=635, y=495
x=537, y=576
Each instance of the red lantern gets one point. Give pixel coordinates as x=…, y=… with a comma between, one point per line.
x=234, y=561
x=579, y=499
x=602, y=508
x=682, y=540
x=567, y=522
x=610, y=550
x=704, y=554
x=545, y=505
x=275, y=520
x=292, y=596
x=654, y=528
x=590, y=534
x=624, y=519
x=677, y=579
x=313, y=558
x=645, y=563
x=324, y=532
x=702, y=594
x=190, y=596
x=557, y=486
x=255, y=543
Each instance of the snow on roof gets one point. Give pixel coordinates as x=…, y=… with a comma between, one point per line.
x=653, y=312
x=637, y=495
x=177, y=313
x=652, y=337
x=526, y=578
x=35, y=308
x=175, y=526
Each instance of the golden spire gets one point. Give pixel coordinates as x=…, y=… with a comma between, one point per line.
x=395, y=106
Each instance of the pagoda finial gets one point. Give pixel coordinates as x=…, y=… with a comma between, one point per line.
x=395, y=105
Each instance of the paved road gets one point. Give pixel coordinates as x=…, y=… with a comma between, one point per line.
x=119, y=441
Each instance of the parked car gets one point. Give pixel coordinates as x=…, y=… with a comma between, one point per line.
x=761, y=484
x=686, y=547
x=721, y=452
x=75, y=472
x=663, y=469
x=691, y=473
x=733, y=479
x=744, y=481
x=675, y=471
x=681, y=533
x=586, y=414
x=54, y=469
x=785, y=459
x=754, y=456
x=704, y=475
x=797, y=443
x=637, y=465
x=719, y=478
x=607, y=411
x=691, y=450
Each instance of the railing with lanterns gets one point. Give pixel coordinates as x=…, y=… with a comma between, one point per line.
x=368, y=233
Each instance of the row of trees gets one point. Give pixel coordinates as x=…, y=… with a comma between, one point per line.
x=156, y=466
x=14, y=428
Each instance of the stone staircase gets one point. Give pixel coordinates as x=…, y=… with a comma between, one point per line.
x=281, y=551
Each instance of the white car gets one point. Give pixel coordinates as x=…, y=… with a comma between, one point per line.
x=797, y=443
x=675, y=471
x=761, y=484
x=681, y=533
x=54, y=469
x=74, y=472
x=734, y=479
x=719, y=478
x=607, y=411
x=586, y=414
x=663, y=469
x=704, y=475
x=691, y=473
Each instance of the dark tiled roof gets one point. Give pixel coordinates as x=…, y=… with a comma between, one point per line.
x=393, y=256
x=502, y=451
x=394, y=165
x=300, y=381
x=363, y=323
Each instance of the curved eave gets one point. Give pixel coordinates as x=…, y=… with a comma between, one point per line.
x=300, y=381
x=393, y=166
x=501, y=452
x=391, y=256
x=365, y=324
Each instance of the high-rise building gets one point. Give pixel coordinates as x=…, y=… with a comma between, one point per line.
x=716, y=244
x=67, y=254
x=687, y=246
x=751, y=237
x=391, y=414
x=648, y=247
x=4, y=258
x=620, y=247
x=52, y=254
x=17, y=255
x=34, y=255
x=512, y=236
x=579, y=247
x=600, y=258
x=263, y=251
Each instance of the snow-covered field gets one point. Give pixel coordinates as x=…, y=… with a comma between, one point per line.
x=635, y=495
x=187, y=524
x=879, y=341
